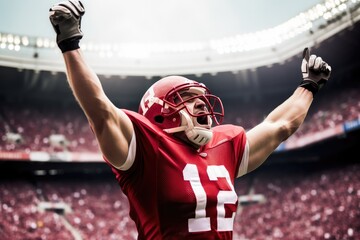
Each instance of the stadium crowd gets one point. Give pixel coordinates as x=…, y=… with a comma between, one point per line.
x=35, y=125
x=300, y=203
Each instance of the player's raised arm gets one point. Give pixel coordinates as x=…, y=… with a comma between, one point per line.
x=284, y=120
x=111, y=126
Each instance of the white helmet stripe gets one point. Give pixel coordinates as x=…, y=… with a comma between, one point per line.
x=149, y=100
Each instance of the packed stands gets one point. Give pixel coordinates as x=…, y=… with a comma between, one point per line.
x=304, y=201
x=36, y=125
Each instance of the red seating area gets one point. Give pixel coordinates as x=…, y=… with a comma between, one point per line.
x=37, y=124
x=99, y=208
x=300, y=204
x=20, y=218
x=325, y=112
x=331, y=111
x=307, y=204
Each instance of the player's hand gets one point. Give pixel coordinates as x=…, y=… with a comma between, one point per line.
x=315, y=72
x=65, y=17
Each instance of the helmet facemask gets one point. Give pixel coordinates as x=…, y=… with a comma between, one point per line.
x=166, y=105
x=195, y=124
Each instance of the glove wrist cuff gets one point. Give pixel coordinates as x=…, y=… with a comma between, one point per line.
x=310, y=85
x=69, y=44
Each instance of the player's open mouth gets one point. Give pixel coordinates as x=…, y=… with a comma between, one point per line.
x=202, y=120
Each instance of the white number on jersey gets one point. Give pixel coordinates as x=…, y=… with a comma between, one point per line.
x=202, y=223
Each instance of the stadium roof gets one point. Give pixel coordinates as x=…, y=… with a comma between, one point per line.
x=156, y=20
x=162, y=37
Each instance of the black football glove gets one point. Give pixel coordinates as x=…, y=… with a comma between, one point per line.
x=315, y=72
x=65, y=17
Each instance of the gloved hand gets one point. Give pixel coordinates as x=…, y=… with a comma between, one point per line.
x=65, y=17
x=315, y=72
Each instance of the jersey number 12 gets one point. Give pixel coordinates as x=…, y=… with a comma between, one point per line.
x=202, y=223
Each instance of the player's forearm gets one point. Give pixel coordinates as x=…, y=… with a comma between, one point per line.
x=291, y=113
x=85, y=85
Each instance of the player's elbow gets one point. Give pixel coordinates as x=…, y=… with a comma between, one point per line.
x=289, y=128
x=291, y=123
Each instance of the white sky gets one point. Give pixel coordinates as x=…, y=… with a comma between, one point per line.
x=143, y=21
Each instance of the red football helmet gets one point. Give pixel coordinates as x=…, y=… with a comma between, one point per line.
x=164, y=105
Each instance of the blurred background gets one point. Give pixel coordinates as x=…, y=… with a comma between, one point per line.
x=53, y=181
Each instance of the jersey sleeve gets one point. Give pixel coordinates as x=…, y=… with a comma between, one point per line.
x=242, y=150
x=146, y=137
x=243, y=168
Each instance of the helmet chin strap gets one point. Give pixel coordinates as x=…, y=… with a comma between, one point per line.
x=197, y=135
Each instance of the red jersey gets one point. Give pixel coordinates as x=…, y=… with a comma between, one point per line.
x=178, y=192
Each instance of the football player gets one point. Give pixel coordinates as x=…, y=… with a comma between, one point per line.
x=175, y=167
